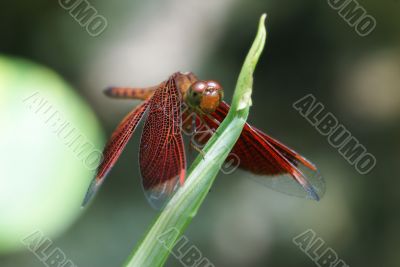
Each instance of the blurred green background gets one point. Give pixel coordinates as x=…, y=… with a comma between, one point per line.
x=310, y=49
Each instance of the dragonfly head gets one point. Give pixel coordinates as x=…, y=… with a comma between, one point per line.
x=205, y=95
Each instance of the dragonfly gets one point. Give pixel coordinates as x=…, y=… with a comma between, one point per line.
x=185, y=103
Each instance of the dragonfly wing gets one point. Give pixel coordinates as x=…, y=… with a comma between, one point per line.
x=162, y=156
x=288, y=174
x=115, y=146
x=305, y=169
x=264, y=156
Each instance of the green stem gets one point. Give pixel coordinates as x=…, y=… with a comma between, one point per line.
x=159, y=241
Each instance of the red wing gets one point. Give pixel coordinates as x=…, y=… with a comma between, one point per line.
x=115, y=146
x=262, y=155
x=162, y=156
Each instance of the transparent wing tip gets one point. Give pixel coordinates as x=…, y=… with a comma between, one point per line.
x=156, y=201
x=312, y=193
x=93, y=188
x=159, y=195
x=313, y=183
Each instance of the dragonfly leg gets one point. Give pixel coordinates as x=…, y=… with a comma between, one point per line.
x=192, y=144
x=197, y=149
x=214, y=120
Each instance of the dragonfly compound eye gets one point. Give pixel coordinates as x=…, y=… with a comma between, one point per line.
x=199, y=87
x=196, y=92
x=212, y=97
x=205, y=96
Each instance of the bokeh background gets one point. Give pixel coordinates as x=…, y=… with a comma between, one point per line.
x=310, y=49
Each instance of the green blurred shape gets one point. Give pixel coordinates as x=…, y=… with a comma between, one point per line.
x=43, y=172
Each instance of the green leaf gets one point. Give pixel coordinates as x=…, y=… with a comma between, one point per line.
x=159, y=241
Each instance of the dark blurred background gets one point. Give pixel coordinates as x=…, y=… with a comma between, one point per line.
x=310, y=49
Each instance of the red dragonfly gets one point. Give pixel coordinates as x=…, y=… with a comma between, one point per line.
x=162, y=157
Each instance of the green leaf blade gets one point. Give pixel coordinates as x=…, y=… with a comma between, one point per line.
x=154, y=249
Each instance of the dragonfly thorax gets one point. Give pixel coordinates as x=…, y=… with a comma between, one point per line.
x=205, y=96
